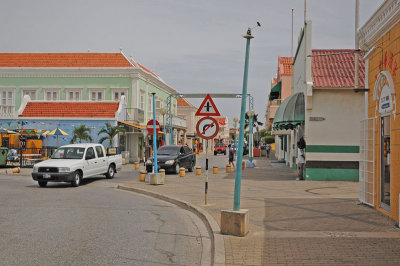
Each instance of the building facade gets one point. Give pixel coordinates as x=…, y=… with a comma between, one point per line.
x=380, y=129
x=89, y=77
x=323, y=108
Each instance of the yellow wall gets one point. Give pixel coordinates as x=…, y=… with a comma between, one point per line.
x=390, y=54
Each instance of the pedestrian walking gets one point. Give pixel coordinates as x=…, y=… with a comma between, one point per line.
x=231, y=155
x=301, y=158
x=268, y=148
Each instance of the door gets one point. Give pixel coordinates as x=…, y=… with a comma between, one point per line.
x=90, y=162
x=385, y=163
x=102, y=162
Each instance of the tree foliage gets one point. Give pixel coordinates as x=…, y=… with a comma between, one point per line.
x=81, y=133
x=110, y=132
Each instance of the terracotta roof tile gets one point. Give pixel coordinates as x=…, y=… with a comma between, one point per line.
x=63, y=60
x=221, y=120
x=183, y=102
x=71, y=109
x=335, y=70
x=285, y=66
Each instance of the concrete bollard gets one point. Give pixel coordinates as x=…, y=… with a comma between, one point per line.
x=215, y=169
x=243, y=165
x=162, y=171
x=136, y=165
x=16, y=170
x=182, y=172
x=198, y=170
x=228, y=168
x=142, y=176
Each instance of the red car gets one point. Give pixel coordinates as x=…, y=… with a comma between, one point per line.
x=219, y=148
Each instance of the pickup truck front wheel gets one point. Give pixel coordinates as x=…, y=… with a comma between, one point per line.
x=77, y=179
x=110, y=172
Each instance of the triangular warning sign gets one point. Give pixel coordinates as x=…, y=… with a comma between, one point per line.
x=208, y=108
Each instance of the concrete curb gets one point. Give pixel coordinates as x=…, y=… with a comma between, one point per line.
x=217, y=239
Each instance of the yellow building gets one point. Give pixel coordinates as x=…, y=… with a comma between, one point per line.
x=380, y=131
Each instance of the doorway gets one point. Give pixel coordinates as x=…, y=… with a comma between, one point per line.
x=385, y=163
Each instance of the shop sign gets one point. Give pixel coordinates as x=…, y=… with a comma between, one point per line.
x=385, y=101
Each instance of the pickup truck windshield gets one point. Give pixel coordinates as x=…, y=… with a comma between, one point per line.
x=69, y=153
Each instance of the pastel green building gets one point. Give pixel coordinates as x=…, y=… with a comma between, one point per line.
x=85, y=77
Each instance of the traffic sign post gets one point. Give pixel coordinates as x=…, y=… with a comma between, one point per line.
x=207, y=128
x=150, y=126
x=207, y=107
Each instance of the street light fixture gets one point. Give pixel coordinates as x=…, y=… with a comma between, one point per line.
x=235, y=120
x=251, y=114
x=163, y=111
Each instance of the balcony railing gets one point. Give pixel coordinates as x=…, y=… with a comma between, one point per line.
x=7, y=111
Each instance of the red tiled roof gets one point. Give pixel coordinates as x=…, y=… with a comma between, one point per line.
x=336, y=70
x=183, y=102
x=63, y=60
x=221, y=120
x=285, y=66
x=70, y=109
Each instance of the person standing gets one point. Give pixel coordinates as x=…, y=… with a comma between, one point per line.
x=268, y=148
x=231, y=155
x=301, y=158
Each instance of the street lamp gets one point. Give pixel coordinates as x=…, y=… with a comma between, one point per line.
x=163, y=111
x=235, y=120
x=238, y=176
x=250, y=114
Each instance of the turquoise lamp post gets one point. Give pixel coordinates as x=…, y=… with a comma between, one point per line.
x=238, y=176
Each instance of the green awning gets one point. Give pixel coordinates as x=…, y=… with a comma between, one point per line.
x=290, y=113
x=275, y=91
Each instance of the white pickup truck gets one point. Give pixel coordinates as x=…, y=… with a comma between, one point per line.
x=71, y=163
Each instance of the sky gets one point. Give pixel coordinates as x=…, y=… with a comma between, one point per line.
x=194, y=46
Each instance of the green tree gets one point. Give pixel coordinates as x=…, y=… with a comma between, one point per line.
x=255, y=121
x=81, y=133
x=110, y=132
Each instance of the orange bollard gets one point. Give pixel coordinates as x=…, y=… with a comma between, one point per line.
x=162, y=171
x=136, y=165
x=142, y=176
x=16, y=170
x=198, y=170
x=228, y=168
x=182, y=172
x=243, y=164
x=215, y=169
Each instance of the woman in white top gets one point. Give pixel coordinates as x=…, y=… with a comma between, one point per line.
x=301, y=158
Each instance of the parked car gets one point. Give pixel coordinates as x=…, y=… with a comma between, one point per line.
x=219, y=148
x=172, y=157
x=72, y=163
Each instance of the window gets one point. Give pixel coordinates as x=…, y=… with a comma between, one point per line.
x=141, y=100
x=90, y=153
x=51, y=95
x=30, y=92
x=117, y=93
x=149, y=106
x=6, y=100
x=73, y=94
x=96, y=94
x=99, y=151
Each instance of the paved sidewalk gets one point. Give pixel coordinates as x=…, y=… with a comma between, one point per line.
x=291, y=222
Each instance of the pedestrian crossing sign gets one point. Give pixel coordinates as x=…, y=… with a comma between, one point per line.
x=208, y=107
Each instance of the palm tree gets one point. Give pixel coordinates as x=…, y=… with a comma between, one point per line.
x=81, y=133
x=110, y=132
x=255, y=121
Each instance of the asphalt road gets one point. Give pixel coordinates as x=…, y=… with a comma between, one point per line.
x=94, y=224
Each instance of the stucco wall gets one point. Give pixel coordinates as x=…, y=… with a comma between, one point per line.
x=390, y=53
